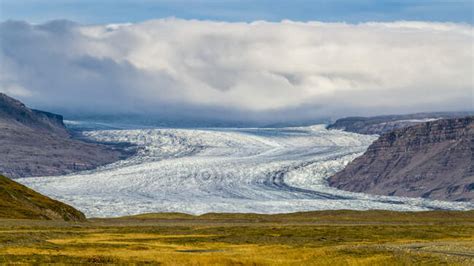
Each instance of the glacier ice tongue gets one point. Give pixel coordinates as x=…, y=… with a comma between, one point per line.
x=260, y=170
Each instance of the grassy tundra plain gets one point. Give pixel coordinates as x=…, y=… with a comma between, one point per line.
x=309, y=238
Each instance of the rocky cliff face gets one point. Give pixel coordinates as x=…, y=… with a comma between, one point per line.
x=382, y=124
x=432, y=160
x=36, y=143
x=14, y=112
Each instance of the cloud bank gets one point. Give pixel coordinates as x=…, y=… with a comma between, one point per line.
x=258, y=71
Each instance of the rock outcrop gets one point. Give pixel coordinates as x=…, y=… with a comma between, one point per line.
x=432, y=160
x=14, y=112
x=382, y=124
x=20, y=202
x=36, y=143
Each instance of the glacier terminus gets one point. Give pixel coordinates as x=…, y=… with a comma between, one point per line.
x=250, y=170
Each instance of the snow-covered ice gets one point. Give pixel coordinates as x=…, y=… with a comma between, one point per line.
x=262, y=170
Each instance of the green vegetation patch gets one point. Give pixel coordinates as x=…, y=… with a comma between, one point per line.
x=20, y=202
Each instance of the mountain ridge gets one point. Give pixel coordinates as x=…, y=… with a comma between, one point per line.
x=37, y=143
x=15, y=111
x=385, y=123
x=431, y=160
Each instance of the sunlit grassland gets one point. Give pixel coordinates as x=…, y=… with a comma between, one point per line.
x=313, y=238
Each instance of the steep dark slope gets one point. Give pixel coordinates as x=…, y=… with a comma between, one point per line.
x=16, y=113
x=432, y=160
x=20, y=202
x=34, y=143
x=386, y=123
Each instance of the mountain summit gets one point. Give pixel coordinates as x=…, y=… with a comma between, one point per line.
x=36, y=143
x=16, y=113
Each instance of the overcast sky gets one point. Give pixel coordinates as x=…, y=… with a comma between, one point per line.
x=238, y=67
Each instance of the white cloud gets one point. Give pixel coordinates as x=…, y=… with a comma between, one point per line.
x=297, y=70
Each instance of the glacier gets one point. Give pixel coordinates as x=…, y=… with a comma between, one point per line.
x=247, y=170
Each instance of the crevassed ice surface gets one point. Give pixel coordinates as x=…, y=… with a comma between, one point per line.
x=273, y=170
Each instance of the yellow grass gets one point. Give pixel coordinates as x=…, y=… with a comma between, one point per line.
x=242, y=240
